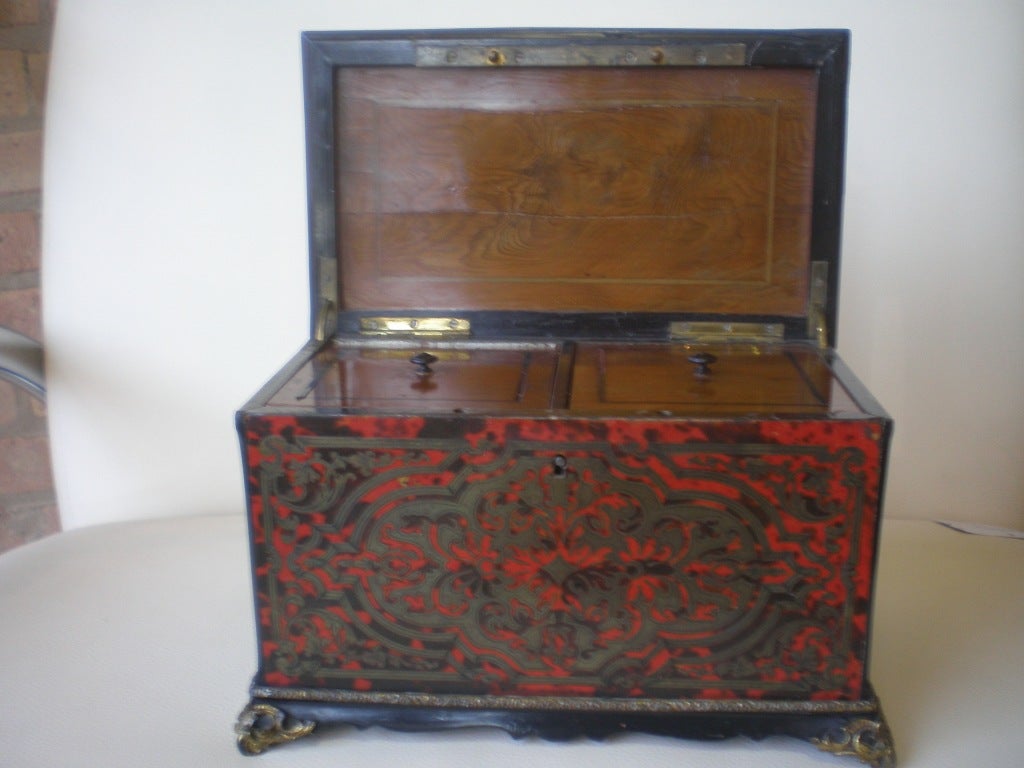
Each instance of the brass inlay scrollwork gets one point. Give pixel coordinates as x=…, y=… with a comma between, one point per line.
x=870, y=741
x=261, y=726
x=377, y=540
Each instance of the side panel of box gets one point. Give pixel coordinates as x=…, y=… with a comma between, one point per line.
x=570, y=560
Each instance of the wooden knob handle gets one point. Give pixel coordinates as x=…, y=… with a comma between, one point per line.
x=703, y=361
x=423, y=361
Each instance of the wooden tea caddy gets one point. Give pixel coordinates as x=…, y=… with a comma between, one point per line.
x=569, y=451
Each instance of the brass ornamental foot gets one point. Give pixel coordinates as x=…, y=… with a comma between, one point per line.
x=261, y=726
x=870, y=741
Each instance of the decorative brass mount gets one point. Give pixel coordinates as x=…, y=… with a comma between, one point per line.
x=868, y=740
x=261, y=726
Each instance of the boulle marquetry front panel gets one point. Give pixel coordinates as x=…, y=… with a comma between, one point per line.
x=642, y=559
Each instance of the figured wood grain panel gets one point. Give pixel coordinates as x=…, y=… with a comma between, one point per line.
x=575, y=189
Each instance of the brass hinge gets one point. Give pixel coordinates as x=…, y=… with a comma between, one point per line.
x=326, y=299
x=582, y=55
x=817, y=327
x=326, y=318
x=725, y=332
x=442, y=327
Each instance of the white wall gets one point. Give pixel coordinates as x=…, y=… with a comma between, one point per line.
x=175, y=246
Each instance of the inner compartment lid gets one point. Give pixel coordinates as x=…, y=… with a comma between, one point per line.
x=589, y=172
x=591, y=379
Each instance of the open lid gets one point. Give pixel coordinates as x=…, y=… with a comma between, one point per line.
x=576, y=182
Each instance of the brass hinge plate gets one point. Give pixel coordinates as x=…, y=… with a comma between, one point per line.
x=326, y=315
x=817, y=328
x=582, y=55
x=442, y=327
x=326, y=320
x=716, y=332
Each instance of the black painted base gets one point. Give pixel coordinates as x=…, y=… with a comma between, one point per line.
x=864, y=735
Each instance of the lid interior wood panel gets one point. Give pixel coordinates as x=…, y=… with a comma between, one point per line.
x=575, y=189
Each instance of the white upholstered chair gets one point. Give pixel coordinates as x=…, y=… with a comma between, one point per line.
x=21, y=362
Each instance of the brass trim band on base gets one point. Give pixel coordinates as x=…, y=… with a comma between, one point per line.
x=568, y=703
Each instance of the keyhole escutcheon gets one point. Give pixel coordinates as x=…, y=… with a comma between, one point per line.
x=559, y=465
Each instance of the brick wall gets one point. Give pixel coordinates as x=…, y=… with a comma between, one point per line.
x=27, y=507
